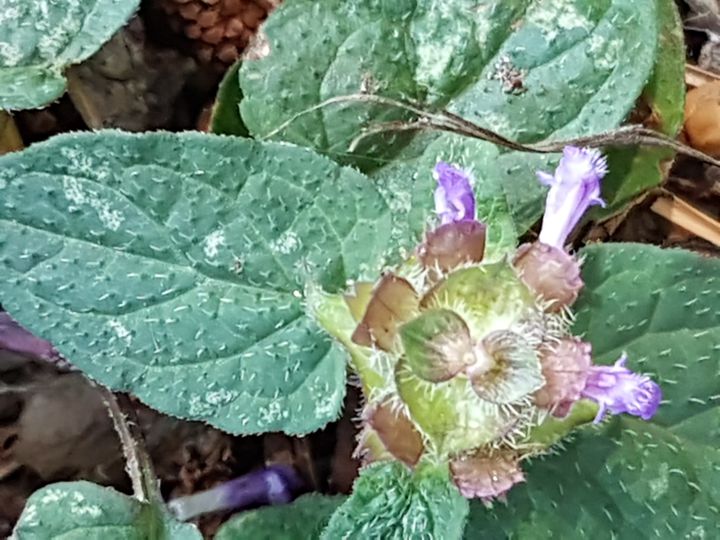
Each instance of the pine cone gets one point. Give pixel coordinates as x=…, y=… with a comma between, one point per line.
x=220, y=29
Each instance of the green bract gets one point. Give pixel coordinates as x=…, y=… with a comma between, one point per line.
x=40, y=38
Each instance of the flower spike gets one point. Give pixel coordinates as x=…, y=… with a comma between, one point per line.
x=574, y=187
x=619, y=390
x=454, y=198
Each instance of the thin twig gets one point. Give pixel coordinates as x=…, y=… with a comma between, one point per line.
x=683, y=214
x=633, y=135
x=137, y=460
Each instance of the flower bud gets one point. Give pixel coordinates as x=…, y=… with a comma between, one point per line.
x=453, y=244
x=565, y=368
x=486, y=477
x=454, y=198
x=277, y=484
x=550, y=272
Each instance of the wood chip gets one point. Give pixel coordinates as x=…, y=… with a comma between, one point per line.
x=683, y=214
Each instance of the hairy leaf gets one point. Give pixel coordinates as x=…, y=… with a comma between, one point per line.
x=175, y=267
x=85, y=511
x=40, y=38
x=393, y=503
x=532, y=70
x=303, y=519
x=632, y=479
x=635, y=170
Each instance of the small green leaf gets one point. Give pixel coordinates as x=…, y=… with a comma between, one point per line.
x=40, y=38
x=175, y=267
x=303, y=519
x=225, y=118
x=391, y=502
x=85, y=511
x=632, y=479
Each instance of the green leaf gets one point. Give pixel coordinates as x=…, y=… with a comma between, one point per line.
x=632, y=479
x=85, y=511
x=635, y=170
x=662, y=307
x=583, y=64
x=303, y=519
x=40, y=38
x=175, y=267
x=225, y=118
x=391, y=502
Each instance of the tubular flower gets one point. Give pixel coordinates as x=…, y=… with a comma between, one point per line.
x=574, y=187
x=619, y=390
x=454, y=198
x=276, y=484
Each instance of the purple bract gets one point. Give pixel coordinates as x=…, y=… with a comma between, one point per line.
x=618, y=390
x=573, y=189
x=454, y=198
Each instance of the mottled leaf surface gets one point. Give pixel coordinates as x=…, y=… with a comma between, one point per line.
x=40, y=38
x=631, y=479
x=302, y=519
x=391, y=502
x=175, y=267
x=532, y=70
x=85, y=511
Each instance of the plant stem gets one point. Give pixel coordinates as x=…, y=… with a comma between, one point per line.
x=137, y=460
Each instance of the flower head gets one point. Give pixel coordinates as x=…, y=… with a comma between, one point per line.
x=574, y=187
x=454, y=198
x=618, y=390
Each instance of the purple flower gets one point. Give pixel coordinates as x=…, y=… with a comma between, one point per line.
x=618, y=390
x=574, y=187
x=276, y=484
x=15, y=338
x=454, y=198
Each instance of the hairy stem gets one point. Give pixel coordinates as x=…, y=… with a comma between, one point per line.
x=137, y=460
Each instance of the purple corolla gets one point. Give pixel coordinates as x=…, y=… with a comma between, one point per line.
x=574, y=187
x=619, y=390
x=454, y=198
